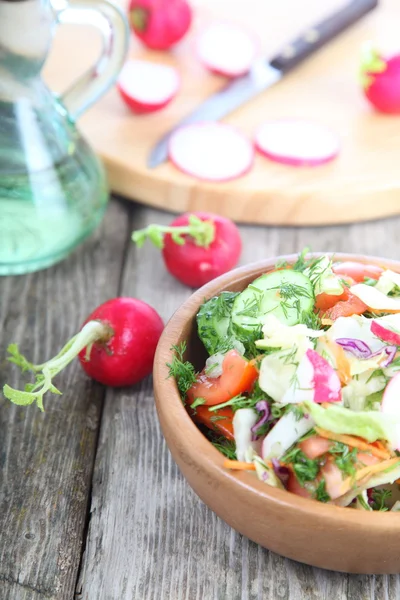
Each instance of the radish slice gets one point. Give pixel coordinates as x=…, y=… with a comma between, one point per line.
x=298, y=143
x=391, y=403
x=316, y=381
x=147, y=86
x=327, y=386
x=211, y=151
x=226, y=49
x=387, y=335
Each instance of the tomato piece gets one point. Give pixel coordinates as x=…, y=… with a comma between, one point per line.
x=366, y=459
x=346, y=308
x=315, y=446
x=333, y=479
x=238, y=376
x=325, y=301
x=294, y=486
x=357, y=271
x=223, y=424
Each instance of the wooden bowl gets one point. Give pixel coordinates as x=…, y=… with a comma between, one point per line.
x=317, y=534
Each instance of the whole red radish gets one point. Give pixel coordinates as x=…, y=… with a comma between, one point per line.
x=160, y=24
x=196, y=247
x=116, y=347
x=381, y=81
x=128, y=355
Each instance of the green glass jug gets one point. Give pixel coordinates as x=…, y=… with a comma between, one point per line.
x=53, y=190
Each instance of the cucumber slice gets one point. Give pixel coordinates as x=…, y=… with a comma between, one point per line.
x=286, y=294
x=213, y=321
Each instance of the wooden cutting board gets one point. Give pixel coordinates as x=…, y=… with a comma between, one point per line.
x=362, y=183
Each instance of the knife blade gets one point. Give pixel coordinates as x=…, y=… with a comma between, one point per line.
x=264, y=74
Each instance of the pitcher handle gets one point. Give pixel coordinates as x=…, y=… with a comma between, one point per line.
x=113, y=25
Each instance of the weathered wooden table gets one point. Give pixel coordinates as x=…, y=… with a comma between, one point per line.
x=91, y=504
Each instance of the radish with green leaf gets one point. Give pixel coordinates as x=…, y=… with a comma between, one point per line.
x=115, y=346
x=380, y=78
x=196, y=247
x=160, y=24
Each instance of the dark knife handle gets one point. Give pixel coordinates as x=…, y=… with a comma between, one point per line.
x=317, y=36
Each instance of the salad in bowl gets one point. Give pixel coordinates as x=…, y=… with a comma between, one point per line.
x=301, y=386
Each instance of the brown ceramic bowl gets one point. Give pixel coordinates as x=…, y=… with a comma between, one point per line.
x=317, y=534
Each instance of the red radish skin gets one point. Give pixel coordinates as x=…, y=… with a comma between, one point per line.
x=327, y=386
x=160, y=24
x=384, y=334
x=146, y=86
x=227, y=49
x=297, y=143
x=195, y=265
x=316, y=381
x=211, y=152
x=128, y=356
x=381, y=82
x=116, y=346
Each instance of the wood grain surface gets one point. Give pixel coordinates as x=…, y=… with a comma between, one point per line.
x=47, y=459
x=363, y=183
x=149, y=537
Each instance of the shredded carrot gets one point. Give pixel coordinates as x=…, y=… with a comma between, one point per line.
x=368, y=471
x=379, y=444
x=354, y=442
x=239, y=465
x=342, y=362
x=254, y=361
x=326, y=321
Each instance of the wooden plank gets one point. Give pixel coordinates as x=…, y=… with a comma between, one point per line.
x=150, y=537
x=47, y=459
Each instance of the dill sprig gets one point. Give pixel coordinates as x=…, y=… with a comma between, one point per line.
x=226, y=447
x=320, y=493
x=345, y=458
x=302, y=262
x=181, y=370
x=379, y=498
x=304, y=468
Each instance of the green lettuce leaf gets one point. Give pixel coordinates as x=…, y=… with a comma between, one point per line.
x=370, y=425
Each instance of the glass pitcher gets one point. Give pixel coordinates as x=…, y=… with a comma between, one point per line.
x=53, y=190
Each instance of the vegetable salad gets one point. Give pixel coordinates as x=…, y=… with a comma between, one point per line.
x=302, y=380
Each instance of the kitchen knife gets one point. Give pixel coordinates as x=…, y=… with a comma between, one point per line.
x=263, y=74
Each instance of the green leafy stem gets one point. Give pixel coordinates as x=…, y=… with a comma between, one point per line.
x=371, y=63
x=202, y=232
x=93, y=331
